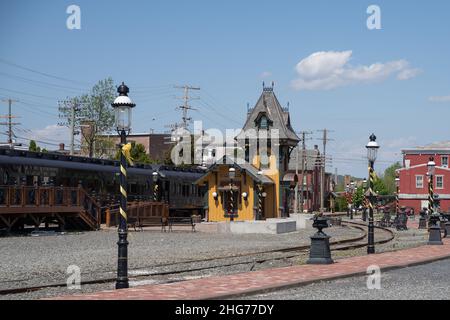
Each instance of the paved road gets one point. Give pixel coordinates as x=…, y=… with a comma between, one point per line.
x=430, y=281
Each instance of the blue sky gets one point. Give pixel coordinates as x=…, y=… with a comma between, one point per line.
x=353, y=80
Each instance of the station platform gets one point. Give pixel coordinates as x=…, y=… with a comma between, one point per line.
x=221, y=287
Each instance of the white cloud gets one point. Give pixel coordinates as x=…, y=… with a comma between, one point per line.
x=327, y=70
x=51, y=134
x=439, y=99
x=266, y=74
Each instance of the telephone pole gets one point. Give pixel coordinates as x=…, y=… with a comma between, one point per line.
x=73, y=108
x=186, y=107
x=9, y=122
x=324, y=139
x=303, y=139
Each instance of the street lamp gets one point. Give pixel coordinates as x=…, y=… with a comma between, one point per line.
x=232, y=175
x=435, y=229
x=155, y=186
x=260, y=196
x=372, y=150
x=397, y=200
x=122, y=106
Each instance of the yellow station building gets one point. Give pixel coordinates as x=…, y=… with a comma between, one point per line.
x=253, y=189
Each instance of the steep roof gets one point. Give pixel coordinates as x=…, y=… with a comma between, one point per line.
x=250, y=169
x=268, y=104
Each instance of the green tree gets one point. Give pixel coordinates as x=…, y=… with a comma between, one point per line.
x=389, y=178
x=358, y=197
x=33, y=147
x=341, y=204
x=138, y=154
x=94, y=112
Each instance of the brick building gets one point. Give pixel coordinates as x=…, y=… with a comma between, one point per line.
x=413, y=176
x=311, y=179
x=157, y=145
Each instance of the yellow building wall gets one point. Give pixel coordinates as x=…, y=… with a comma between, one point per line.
x=216, y=212
x=272, y=201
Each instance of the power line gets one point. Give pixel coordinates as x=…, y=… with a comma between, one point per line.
x=41, y=73
x=29, y=94
x=41, y=83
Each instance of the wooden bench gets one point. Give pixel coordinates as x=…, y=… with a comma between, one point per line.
x=152, y=222
x=181, y=221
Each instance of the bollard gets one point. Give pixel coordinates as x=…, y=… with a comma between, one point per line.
x=320, y=252
x=422, y=220
x=435, y=230
x=447, y=229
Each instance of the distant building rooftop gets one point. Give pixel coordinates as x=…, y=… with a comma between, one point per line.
x=436, y=147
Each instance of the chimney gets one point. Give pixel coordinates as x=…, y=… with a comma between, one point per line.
x=61, y=147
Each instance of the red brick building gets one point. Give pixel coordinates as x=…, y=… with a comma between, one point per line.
x=413, y=176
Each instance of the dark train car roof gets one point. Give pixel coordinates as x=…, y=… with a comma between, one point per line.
x=55, y=160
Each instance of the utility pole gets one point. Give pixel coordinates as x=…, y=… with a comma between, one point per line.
x=324, y=139
x=73, y=108
x=9, y=123
x=186, y=107
x=303, y=139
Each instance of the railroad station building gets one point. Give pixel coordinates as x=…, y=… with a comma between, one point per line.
x=414, y=180
x=257, y=189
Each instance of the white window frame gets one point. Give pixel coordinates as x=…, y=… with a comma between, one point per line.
x=442, y=161
x=441, y=187
x=417, y=186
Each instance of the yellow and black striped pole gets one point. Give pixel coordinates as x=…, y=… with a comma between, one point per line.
x=122, y=270
x=397, y=201
x=430, y=195
x=260, y=201
x=231, y=202
x=371, y=238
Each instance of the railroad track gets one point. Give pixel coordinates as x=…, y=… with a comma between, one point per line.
x=251, y=258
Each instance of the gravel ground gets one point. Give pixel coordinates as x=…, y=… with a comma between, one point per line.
x=425, y=282
x=33, y=261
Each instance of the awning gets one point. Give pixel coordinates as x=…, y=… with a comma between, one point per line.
x=291, y=177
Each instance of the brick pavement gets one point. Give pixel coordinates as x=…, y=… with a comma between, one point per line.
x=220, y=287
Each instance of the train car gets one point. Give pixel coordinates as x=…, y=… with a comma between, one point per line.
x=101, y=177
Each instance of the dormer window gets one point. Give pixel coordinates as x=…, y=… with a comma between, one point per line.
x=263, y=123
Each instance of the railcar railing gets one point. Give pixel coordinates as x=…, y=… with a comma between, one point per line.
x=29, y=199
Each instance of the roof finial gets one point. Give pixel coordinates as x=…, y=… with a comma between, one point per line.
x=273, y=84
x=264, y=84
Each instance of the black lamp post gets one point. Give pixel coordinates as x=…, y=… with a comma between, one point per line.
x=433, y=222
x=397, y=194
x=352, y=192
x=155, y=186
x=122, y=110
x=232, y=175
x=372, y=150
